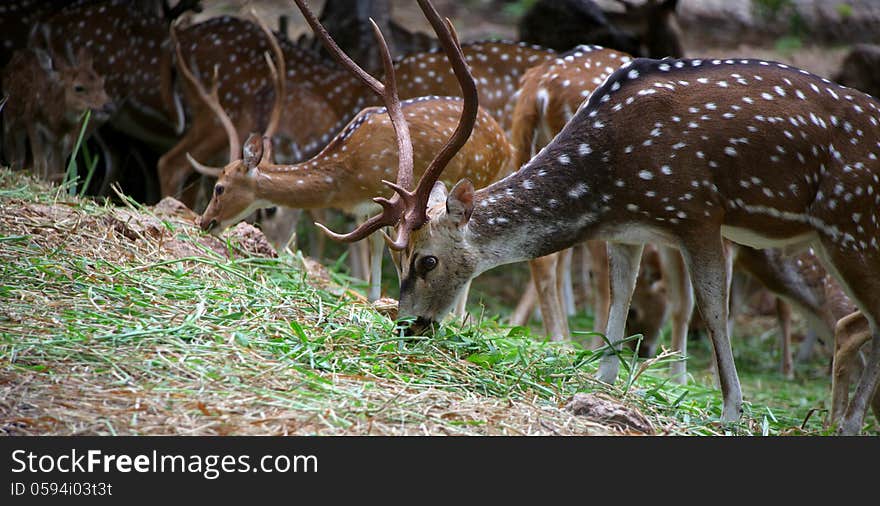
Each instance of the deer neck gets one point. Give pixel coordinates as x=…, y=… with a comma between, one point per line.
x=550, y=204
x=313, y=184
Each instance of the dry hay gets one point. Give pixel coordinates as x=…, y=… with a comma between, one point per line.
x=140, y=387
x=76, y=402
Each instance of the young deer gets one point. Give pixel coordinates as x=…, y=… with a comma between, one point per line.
x=348, y=173
x=47, y=100
x=669, y=151
x=129, y=43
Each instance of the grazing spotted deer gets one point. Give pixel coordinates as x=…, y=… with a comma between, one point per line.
x=328, y=95
x=48, y=98
x=670, y=151
x=349, y=171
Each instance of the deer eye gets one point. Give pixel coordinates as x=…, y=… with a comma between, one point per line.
x=428, y=263
x=79, y=88
x=218, y=190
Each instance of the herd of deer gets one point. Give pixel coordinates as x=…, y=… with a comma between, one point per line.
x=589, y=154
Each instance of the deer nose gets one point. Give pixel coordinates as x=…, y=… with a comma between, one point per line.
x=207, y=226
x=419, y=326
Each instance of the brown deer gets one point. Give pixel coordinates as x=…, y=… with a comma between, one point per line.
x=669, y=151
x=328, y=95
x=48, y=99
x=349, y=171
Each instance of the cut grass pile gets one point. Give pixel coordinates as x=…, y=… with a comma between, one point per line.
x=126, y=320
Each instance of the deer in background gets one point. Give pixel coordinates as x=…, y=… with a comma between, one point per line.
x=48, y=98
x=328, y=95
x=349, y=171
x=695, y=183
x=129, y=43
x=646, y=29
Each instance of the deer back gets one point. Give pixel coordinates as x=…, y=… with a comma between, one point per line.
x=496, y=66
x=550, y=94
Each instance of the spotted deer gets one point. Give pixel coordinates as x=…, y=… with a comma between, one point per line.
x=349, y=171
x=669, y=151
x=406, y=210
x=48, y=98
x=328, y=95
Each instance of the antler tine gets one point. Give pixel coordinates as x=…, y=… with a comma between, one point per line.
x=202, y=168
x=278, y=72
x=449, y=41
x=211, y=99
x=392, y=210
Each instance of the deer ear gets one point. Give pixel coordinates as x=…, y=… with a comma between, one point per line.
x=44, y=59
x=252, y=151
x=438, y=194
x=460, y=202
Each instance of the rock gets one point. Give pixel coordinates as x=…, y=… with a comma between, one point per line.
x=606, y=411
x=170, y=206
x=861, y=69
x=386, y=306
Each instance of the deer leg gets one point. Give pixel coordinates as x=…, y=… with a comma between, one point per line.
x=582, y=261
x=38, y=154
x=783, y=316
x=173, y=167
x=564, y=281
x=524, y=307
x=709, y=269
x=682, y=299
x=544, y=274
x=852, y=420
x=861, y=284
x=601, y=286
x=850, y=333
x=377, y=247
x=623, y=260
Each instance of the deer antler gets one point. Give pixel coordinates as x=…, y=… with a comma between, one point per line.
x=278, y=72
x=213, y=101
x=408, y=209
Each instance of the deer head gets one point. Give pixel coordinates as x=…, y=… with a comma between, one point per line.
x=82, y=87
x=414, y=212
x=234, y=195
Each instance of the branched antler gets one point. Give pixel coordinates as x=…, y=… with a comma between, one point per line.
x=277, y=71
x=407, y=209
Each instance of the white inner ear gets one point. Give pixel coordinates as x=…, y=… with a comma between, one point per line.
x=438, y=194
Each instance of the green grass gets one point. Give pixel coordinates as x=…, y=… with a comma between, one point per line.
x=102, y=333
